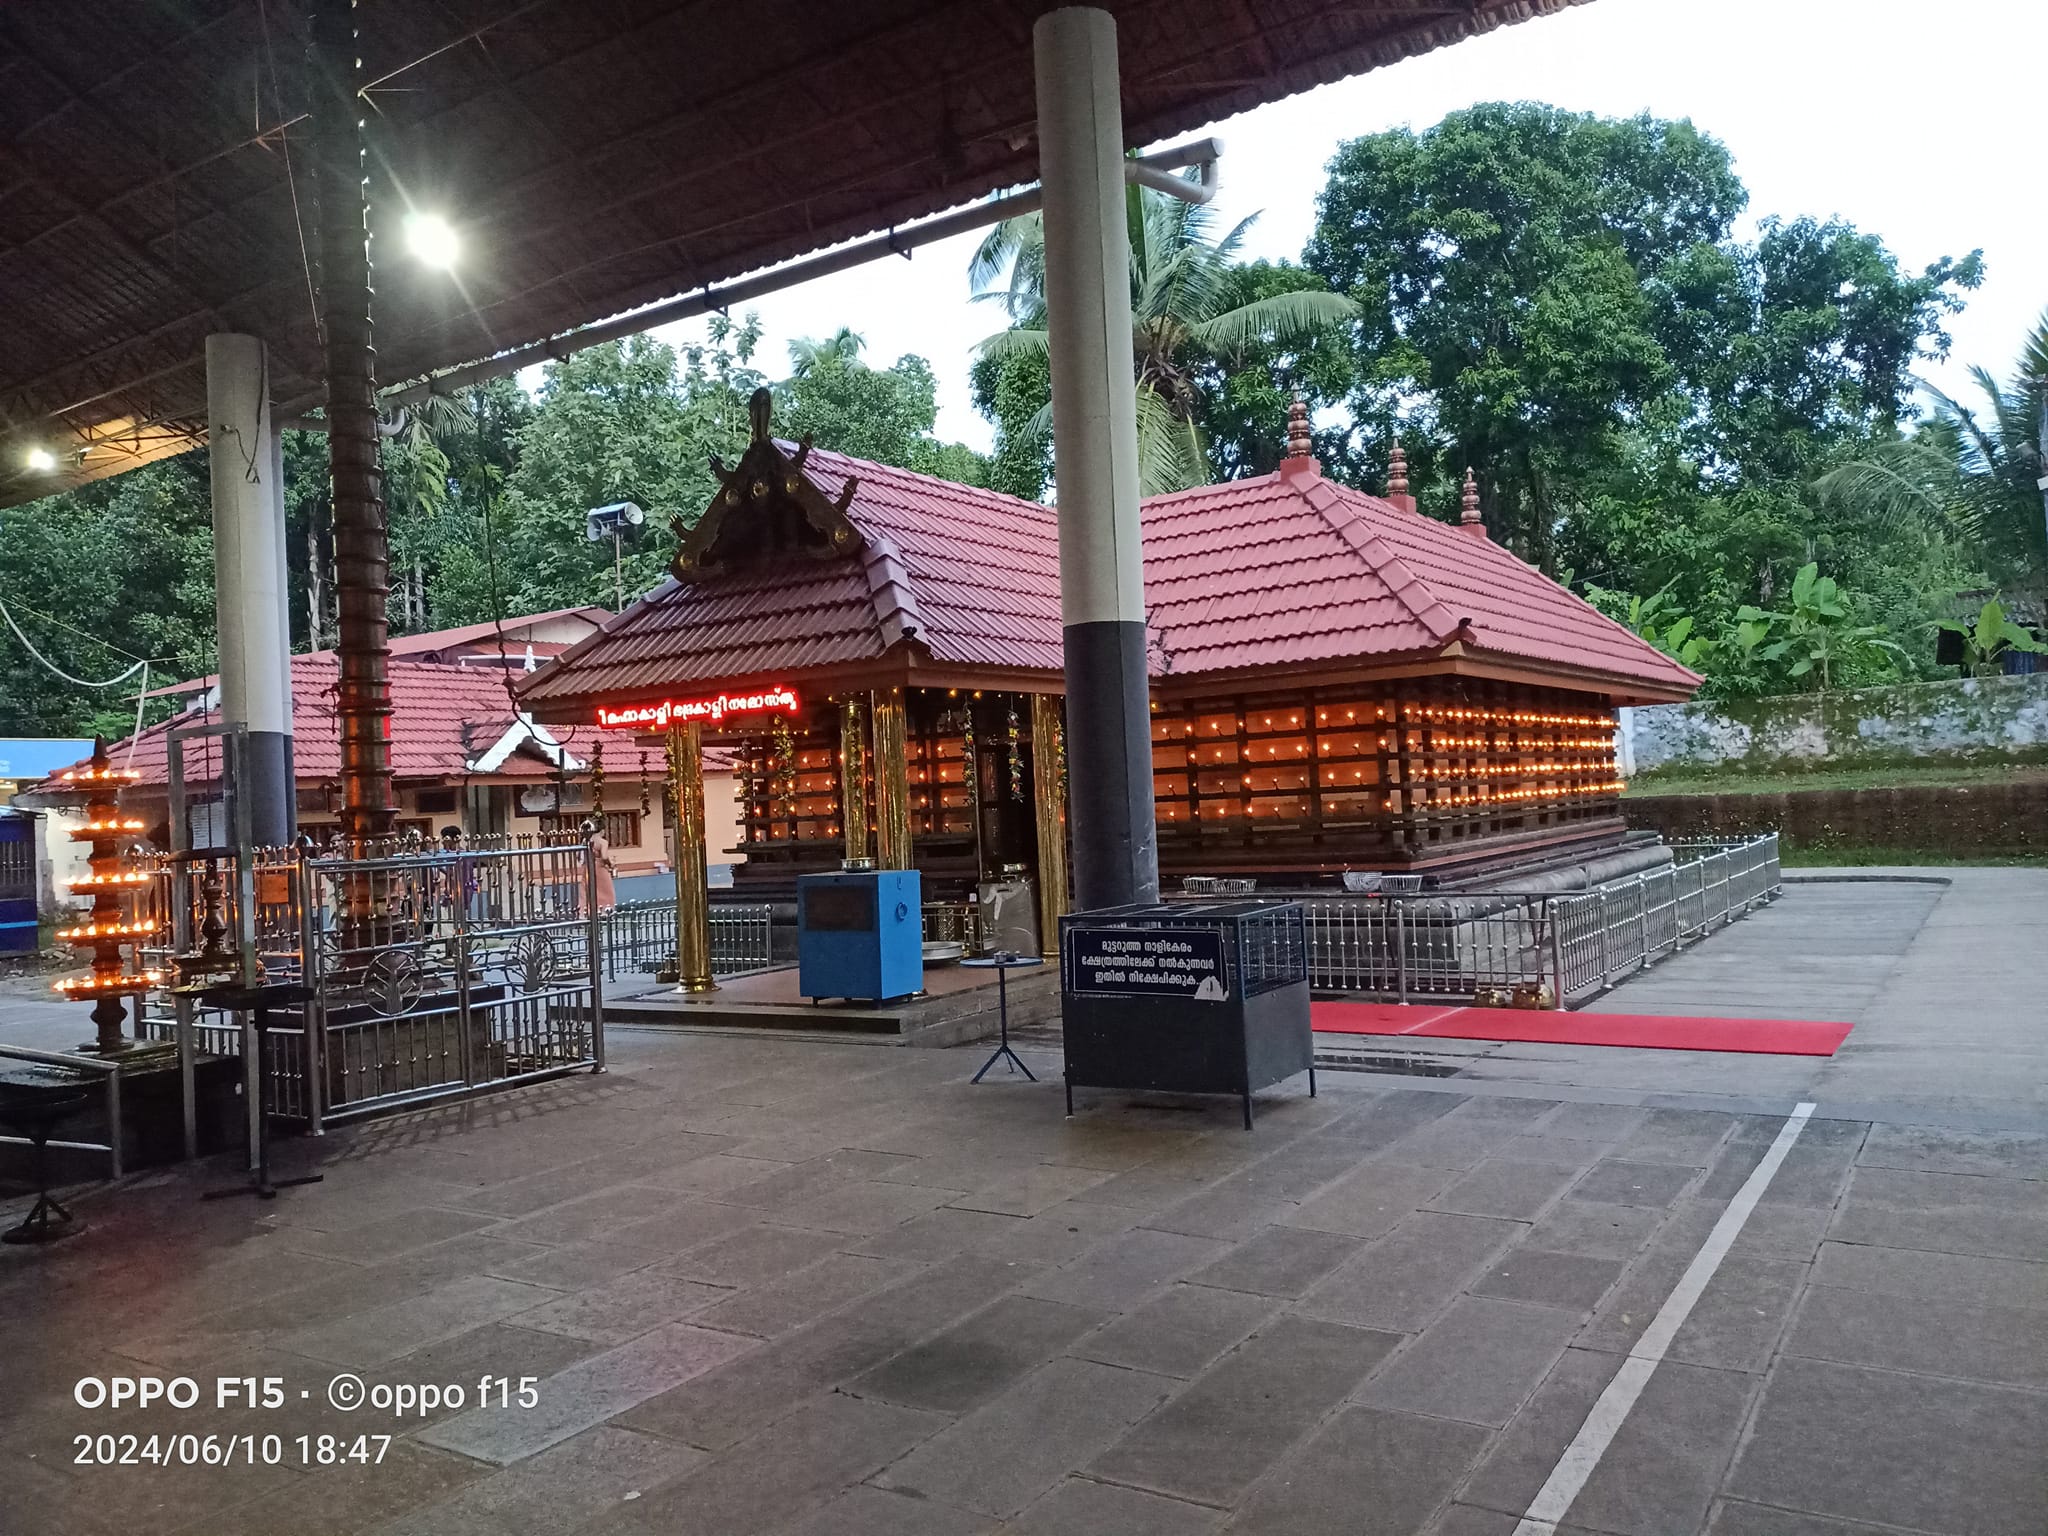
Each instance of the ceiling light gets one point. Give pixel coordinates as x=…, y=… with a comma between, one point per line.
x=41, y=460
x=431, y=239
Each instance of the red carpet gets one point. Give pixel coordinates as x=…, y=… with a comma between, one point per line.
x=1767, y=1037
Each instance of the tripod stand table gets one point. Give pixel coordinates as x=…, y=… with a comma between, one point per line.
x=34, y=1101
x=1002, y=962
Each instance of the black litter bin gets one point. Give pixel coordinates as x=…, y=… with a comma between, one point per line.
x=1186, y=998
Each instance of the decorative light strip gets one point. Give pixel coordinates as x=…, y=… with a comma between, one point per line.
x=107, y=931
x=93, y=986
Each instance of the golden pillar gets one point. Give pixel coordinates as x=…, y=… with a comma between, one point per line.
x=1049, y=785
x=693, y=897
x=892, y=782
x=853, y=789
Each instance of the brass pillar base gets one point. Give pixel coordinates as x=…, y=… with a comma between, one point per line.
x=696, y=986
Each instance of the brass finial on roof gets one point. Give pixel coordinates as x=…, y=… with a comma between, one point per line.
x=1298, y=442
x=1468, y=515
x=1397, y=471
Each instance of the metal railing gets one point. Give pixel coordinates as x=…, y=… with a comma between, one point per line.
x=110, y=1086
x=1478, y=944
x=435, y=972
x=477, y=968
x=640, y=936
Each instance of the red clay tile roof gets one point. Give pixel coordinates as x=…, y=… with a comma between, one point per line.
x=971, y=575
x=442, y=717
x=1290, y=568
x=1285, y=570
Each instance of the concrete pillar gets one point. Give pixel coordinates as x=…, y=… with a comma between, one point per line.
x=1095, y=458
x=249, y=592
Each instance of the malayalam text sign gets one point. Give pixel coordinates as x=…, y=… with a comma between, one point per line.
x=660, y=716
x=1149, y=962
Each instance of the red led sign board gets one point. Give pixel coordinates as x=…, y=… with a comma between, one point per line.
x=659, y=717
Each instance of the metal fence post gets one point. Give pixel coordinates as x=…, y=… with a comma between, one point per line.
x=315, y=1011
x=458, y=874
x=1400, y=951
x=1606, y=948
x=1642, y=923
x=1556, y=954
x=596, y=970
x=114, y=1134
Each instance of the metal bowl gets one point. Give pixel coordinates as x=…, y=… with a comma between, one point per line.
x=943, y=954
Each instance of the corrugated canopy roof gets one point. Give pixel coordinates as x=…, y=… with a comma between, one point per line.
x=155, y=185
x=1281, y=573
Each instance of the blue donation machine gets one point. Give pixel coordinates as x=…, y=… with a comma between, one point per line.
x=860, y=934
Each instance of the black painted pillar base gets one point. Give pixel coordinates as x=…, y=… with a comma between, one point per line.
x=1109, y=765
x=273, y=796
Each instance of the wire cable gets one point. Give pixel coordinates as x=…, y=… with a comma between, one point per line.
x=76, y=682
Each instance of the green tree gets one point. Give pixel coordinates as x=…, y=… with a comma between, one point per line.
x=883, y=414
x=617, y=423
x=1184, y=312
x=1012, y=392
x=1970, y=470
x=1555, y=299
x=99, y=577
x=1503, y=263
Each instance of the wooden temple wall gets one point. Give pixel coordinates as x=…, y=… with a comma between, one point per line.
x=1395, y=773
x=1386, y=774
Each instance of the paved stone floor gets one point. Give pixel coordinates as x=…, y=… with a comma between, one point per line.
x=782, y=1287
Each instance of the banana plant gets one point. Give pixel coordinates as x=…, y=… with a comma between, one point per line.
x=1988, y=637
x=1815, y=636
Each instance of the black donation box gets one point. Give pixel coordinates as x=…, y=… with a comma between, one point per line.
x=1186, y=998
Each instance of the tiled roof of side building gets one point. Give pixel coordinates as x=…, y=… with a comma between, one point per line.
x=443, y=717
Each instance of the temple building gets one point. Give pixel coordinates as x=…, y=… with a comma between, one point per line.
x=1338, y=682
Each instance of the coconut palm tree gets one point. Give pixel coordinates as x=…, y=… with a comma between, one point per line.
x=1971, y=471
x=807, y=354
x=1180, y=315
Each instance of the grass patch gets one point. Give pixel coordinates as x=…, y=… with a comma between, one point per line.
x=1857, y=856
x=1908, y=775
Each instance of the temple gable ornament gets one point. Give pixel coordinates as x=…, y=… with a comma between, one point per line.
x=767, y=508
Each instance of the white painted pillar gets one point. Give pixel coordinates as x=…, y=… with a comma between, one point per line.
x=249, y=588
x=1095, y=458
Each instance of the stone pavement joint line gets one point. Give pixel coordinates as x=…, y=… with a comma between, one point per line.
x=1583, y=1455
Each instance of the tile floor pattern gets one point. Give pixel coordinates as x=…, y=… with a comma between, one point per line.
x=834, y=1291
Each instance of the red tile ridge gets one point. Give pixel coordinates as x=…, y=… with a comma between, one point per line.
x=896, y=610
x=1409, y=589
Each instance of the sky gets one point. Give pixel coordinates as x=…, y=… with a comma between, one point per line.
x=1916, y=123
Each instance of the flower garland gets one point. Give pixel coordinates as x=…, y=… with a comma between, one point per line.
x=746, y=787
x=1016, y=762
x=785, y=771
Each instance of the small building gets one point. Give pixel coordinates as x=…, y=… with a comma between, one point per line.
x=1338, y=683
x=26, y=761
x=462, y=753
